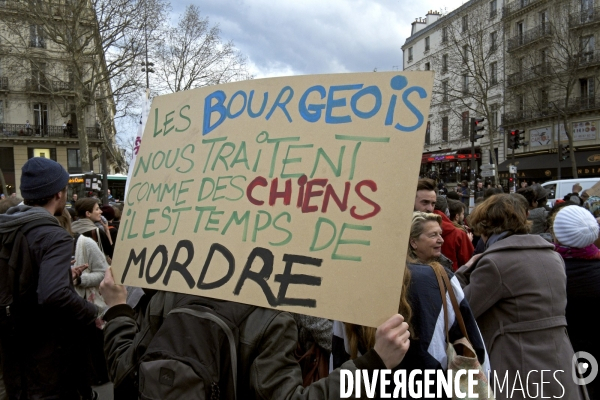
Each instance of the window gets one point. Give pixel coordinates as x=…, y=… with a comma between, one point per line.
x=410, y=54
x=465, y=23
x=427, y=43
x=587, y=45
x=40, y=118
x=74, y=161
x=444, y=34
x=493, y=8
x=444, y=129
x=1, y=112
x=520, y=31
x=544, y=20
x=428, y=133
x=587, y=11
x=543, y=56
x=36, y=36
x=444, y=91
x=427, y=66
x=465, y=84
x=445, y=63
x=520, y=102
x=543, y=98
x=587, y=87
x=38, y=76
x=493, y=41
x=45, y=152
x=493, y=116
x=493, y=73
x=465, y=124
x=465, y=53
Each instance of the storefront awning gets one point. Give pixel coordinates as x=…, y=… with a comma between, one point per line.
x=445, y=157
x=544, y=161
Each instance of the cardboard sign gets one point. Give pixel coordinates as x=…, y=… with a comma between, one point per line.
x=594, y=190
x=291, y=193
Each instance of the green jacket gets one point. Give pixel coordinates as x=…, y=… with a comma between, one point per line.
x=268, y=339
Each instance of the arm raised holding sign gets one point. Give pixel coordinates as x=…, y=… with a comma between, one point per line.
x=267, y=341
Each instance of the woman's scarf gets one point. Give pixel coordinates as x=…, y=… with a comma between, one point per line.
x=83, y=225
x=590, y=252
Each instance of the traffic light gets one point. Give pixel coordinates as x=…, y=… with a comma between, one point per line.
x=512, y=139
x=476, y=126
x=520, y=139
x=564, y=151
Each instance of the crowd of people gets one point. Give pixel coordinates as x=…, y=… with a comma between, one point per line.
x=512, y=281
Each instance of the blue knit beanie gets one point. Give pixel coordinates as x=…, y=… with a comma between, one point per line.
x=42, y=178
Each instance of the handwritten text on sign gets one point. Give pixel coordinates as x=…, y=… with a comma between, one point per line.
x=290, y=193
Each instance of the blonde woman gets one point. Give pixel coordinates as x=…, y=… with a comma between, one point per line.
x=421, y=305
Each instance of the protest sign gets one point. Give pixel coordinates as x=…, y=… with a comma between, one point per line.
x=291, y=193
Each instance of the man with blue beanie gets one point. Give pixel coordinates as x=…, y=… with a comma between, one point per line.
x=43, y=320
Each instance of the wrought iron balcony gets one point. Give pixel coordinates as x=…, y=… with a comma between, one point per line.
x=586, y=17
x=585, y=59
x=46, y=86
x=530, y=36
x=13, y=131
x=538, y=71
x=517, y=5
x=575, y=105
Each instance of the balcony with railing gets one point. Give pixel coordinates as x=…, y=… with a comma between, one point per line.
x=47, y=86
x=16, y=131
x=530, y=36
x=539, y=71
x=585, y=59
x=573, y=106
x=583, y=18
x=519, y=5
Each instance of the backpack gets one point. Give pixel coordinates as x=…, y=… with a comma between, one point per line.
x=18, y=299
x=194, y=353
x=18, y=277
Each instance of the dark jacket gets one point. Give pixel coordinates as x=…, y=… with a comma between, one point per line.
x=583, y=295
x=268, y=339
x=428, y=349
x=48, y=337
x=517, y=291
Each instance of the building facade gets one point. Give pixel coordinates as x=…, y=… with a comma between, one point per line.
x=550, y=85
x=464, y=48
x=38, y=93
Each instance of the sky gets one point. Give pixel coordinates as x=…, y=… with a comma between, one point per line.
x=299, y=37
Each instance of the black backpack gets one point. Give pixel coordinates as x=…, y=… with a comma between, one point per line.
x=18, y=299
x=18, y=277
x=194, y=353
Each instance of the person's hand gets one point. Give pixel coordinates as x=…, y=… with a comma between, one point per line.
x=112, y=293
x=99, y=322
x=470, y=235
x=473, y=260
x=392, y=341
x=77, y=271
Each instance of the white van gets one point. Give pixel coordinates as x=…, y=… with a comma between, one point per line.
x=559, y=189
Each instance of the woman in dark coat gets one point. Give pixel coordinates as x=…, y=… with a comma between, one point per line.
x=575, y=230
x=517, y=291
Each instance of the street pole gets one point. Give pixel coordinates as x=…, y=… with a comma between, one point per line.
x=104, y=176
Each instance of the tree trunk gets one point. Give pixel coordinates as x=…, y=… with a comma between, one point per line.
x=3, y=183
x=84, y=148
x=571, y=149
x=493, y=155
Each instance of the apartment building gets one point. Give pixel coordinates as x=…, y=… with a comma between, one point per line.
x=464, y=48
x=551, y=76
x=40, y=87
